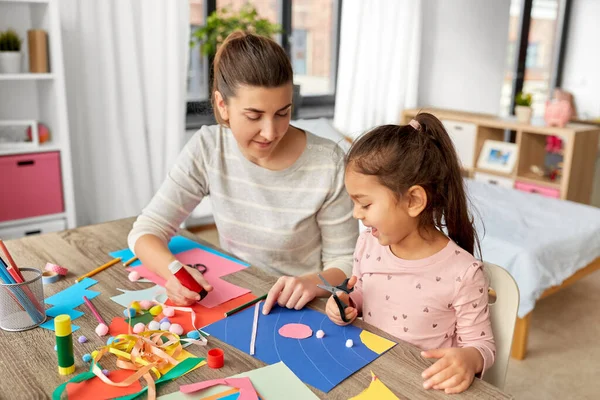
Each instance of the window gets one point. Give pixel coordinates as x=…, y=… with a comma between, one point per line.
x=311, y=32
x=536, y=72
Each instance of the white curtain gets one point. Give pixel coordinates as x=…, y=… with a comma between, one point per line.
x=126, y=70
x=379, y=58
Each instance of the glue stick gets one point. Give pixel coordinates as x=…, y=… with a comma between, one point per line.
x=64, y=344
x=186, y=279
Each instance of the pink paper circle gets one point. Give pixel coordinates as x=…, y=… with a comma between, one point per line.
x=295, y=331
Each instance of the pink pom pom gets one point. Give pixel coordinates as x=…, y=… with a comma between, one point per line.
x=139, y=328
x=101, y=330
x=176, y=329
x=134, y=276
x=168, y=312
x=146, y=304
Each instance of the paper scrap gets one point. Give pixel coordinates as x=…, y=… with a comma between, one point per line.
x=65, y=302
x=376, y=391
x=244, y=384
x=375, y=342
x=95, y=389
x=130, y=296
x=295, y=331
x=273, y=382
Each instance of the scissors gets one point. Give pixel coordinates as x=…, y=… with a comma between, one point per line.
x=198, y=267
x=333, y=290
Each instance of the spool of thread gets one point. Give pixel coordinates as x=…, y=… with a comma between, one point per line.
x=64, y=344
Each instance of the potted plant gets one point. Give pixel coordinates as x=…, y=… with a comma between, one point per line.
x=523, y=108
x=223, y=21
x=10, y=52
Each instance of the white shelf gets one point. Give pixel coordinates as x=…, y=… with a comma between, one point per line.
x=32, y=220
x=25, y=150
x=25, y=76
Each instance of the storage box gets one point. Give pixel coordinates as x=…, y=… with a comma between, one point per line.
x=35, y=228
x=539, y=189
x=31, y=185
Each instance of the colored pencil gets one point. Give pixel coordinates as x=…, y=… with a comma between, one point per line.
x=248, y=304
x=93, y=310
x=18, y=278
x=11, y=263
x=18, y=295
x=99, y=269
x=131, y=261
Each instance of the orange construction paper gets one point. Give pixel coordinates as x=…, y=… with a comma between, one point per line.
x=95, y=389
x=118, y=326
x=205, y=316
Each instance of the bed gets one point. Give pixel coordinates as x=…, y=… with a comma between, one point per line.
x=546, y=244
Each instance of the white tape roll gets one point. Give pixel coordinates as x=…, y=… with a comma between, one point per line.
x=49, y=277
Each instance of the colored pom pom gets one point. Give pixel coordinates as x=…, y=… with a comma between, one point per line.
x=145, y=304
x=134, y=276
x=349, y=343
x=168, y=311
x=153, y=325
x=139, y=327
x=86, y=358
x=82, y=339
x=129, y=312
x=193, y=335
x=164, y=326
x=155, y=310
x=176, y=329
x=320, y=334
x=101, y=330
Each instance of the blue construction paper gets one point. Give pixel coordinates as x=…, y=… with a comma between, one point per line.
x=322, y=363
x=178, y=244
x=65, y=302
x=49, y=324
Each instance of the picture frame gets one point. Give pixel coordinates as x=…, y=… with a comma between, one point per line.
x=19, y=134
x=498, y=156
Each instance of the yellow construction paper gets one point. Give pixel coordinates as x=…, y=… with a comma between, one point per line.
x=376, y=343
x=376, y=390
x=182, y=356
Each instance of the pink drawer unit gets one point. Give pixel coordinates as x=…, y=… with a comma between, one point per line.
x=539, y=189
x=31, y=185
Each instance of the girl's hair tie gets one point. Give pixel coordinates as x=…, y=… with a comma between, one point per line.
x=415, y=124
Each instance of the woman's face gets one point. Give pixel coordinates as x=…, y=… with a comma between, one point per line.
x=259, y=118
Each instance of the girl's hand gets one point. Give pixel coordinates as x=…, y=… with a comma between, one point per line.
x=290, y=292
x=182, y=296
x=454, y=370
x=333, y=311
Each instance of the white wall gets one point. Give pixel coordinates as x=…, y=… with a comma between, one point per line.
x=581, y=74
x=463, y=54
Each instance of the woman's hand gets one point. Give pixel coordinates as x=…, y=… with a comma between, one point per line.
x=454, y=370
x=182, y=296
x=291, y=292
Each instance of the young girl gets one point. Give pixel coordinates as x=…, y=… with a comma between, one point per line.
x=410, y=278
x=278, y=192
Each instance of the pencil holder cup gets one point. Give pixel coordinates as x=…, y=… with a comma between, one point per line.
x=22, y=304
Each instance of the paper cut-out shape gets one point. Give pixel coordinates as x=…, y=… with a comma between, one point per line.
x=376, y=391
x=272, y=382
x=130, y=296
x=217, y=267
x=322, y=363
x=184, y=355
x=375, y=342
x=179, y=244
x=247, y=391
x=95, y=389
x=295, y=331
x=65, y=302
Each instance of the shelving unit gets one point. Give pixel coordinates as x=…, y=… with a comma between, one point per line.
x=40, y=97
x=579, y=151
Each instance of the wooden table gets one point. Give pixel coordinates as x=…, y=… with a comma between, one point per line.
x=28, y=366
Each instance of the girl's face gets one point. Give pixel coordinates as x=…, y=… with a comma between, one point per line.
x=259, y=118
x=391, y=220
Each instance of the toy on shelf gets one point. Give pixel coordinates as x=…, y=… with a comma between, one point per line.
x=560, y=109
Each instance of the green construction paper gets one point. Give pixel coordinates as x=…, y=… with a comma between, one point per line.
x=143, y=318
x=275, y=381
